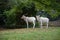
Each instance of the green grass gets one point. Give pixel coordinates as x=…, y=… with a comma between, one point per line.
x=52, y=33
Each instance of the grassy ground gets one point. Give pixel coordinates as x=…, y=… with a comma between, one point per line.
x=52, y=33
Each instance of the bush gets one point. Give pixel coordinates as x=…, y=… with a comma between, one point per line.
x=13, y=15
x=10, y=17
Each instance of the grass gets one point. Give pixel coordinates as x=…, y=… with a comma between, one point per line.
x=52, y=33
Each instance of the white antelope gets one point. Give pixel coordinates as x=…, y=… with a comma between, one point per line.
x=29, y=19
x=42, y=20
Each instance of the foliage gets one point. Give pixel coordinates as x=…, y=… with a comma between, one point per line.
x=10, y=16
x=12, y=10
x=17, y=9
x=3, y=6
x=48, y=6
